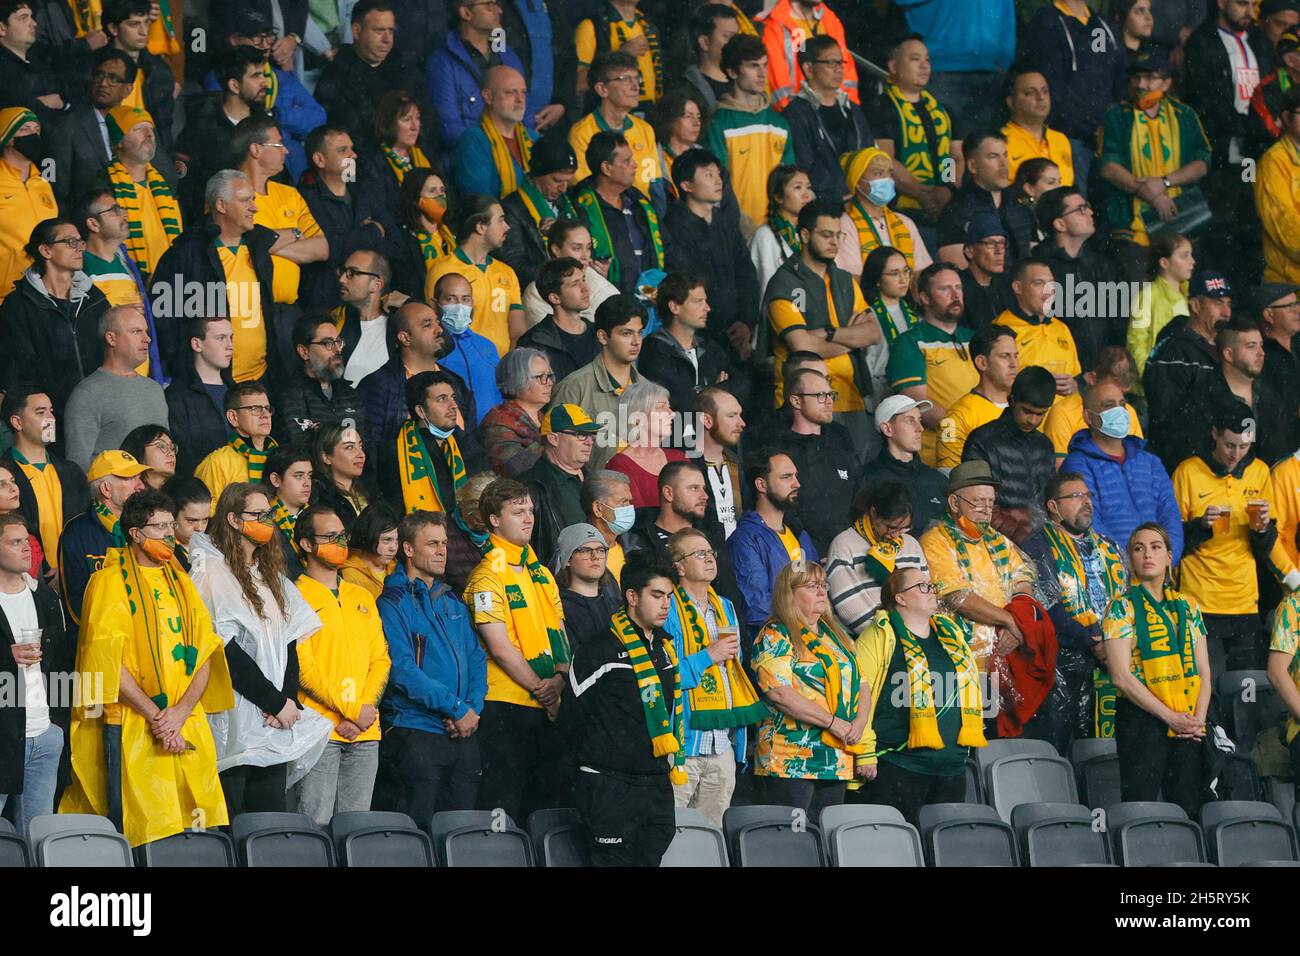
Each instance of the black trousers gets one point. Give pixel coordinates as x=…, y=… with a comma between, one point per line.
x=256, y=789
x=1066, y=715
x=523, y=760
x=908, y=791
x=1155, y=766
x=631, y=819
x=422, y=773
x=1295, y=763
x=1242, y=640
x=811, y=796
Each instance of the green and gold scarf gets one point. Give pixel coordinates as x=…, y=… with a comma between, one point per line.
x=401, y=165
x=914, y=152
x=785, y=231
x=991, y=538
x=887, y=324
x=922, y=718
x=665, y=728
x=110, y=523
x=256, y=459
x=882, y=553
x=146, y=624
x=1163, y=648
x=603, y=244
x=539, y=209
x=501, y=158
x=709, y=710
x=169, y=210
x=284, y=519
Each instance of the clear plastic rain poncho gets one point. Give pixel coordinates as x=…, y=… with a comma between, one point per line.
x=242, y=735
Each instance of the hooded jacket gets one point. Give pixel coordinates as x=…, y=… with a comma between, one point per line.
x=48, y=344
x=929, y=486
x=1208, y=83
x=1081, y=76
x=1125, y=494
x=664, y=362
x=814, y=150
x=439, y=669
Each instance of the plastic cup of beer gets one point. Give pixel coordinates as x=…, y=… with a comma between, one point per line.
x=1254, y=508
x=29, y=635
x=726, y=631
x=1224, y=520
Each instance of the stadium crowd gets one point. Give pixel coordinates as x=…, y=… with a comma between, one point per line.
x=629, y=404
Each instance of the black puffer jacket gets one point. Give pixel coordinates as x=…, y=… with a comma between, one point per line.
x=827, y=471
x=1022, y=461
x=664, y=362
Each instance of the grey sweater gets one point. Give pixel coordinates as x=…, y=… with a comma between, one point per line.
x=104, y=407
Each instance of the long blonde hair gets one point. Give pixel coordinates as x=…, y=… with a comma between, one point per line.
x=785, y=610
x=267, y=558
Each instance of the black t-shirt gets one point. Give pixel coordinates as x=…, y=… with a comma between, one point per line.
x=720, y=87
x=839, y=126
x=582, y=346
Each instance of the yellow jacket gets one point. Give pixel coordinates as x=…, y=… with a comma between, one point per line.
x=225, y=466
x=1277, y=199
x=1048, y=344
x=23, y=203
x=1157, y=304
x=346, y=663
x=1219, y=573
x=357, y=571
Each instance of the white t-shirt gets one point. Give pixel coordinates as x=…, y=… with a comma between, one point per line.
x=20, y=611
x=371, y=352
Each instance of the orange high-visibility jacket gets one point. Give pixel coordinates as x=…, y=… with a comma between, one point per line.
x=783, y=35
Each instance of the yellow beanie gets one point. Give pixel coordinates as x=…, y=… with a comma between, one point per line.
x=12, y=119
x=122, y=119
x=855, y=165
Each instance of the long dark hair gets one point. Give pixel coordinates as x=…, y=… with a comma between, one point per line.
x=408, y=196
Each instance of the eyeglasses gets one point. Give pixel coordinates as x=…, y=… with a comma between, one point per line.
x=164, y=445
x=258, y=410
x=1086, y=207
x=894, y=530
x=167, y=527
x=546, y=378
x=259, y=517
x=1284, y=307
x=340, y=538
x=1075, y=495
x=99, y=76
x=820, y=396
x=115, y=208
x=829, y=62
x=275, y=146
x=329, y=345
x=630, y=78
x=594, y=551
x=581, y=436
x=819, y=587
x=350, y=272
x=926, y=587
x=702, y=554
x=984, y=504
x=72, y=242
x=902, y=273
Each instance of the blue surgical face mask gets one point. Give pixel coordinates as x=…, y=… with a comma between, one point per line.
x=438, y=433
x=624, y=516
x=882, y=191
x=1115, y=422
x=456, y=317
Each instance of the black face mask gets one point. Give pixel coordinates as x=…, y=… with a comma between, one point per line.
x=30, y=147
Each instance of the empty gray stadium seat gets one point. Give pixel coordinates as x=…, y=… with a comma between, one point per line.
x=479, y=838
x=1096, y=771
x=375, y=838
x=1059, y=834
x=560, y=838
x=1246, y=831
x=280, y=840
x=965, y=834
x=868, y=835
x=14, y=852
x=78, y=840
x=1249, y=717
x=1147, y=833
x=698, y=842
x=1030, y=778
x=191, y=848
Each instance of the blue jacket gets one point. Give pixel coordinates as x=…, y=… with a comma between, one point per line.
x=963, y=36
x=758, y=556
x=439, y=668
x=82, y=548
x=474, y=358
x=1081, y=64
x=690, y=669
x=1124, y=496
x=296, y=113
x=456, y=88
x=472, y=169
x=537, y=23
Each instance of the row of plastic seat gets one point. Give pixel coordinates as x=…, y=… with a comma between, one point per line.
x=1230, y=833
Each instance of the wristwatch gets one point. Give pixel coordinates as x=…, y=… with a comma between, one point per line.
x=830, y=333
x=1168, y=184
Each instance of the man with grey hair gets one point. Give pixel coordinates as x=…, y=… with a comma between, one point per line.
x=315, y=391
x=221, y=264
x=114, y=398
x=511, y=432
x=606, y=500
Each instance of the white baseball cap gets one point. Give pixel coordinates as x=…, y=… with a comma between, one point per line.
x=896, y=405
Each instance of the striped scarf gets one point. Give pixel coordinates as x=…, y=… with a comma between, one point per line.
x=110, y=523
x=169, y=210
x=603, y=244
x=709, y=709
x=1167, y=669
x=256, y=459
x=401, y=165
x=501, y=158
x=785, y=231
x=914, y=149
x=531, y=602
x=900, y=237
x=842, y=687
x=922, y=718
x=420, y=491
x=882, y=553
x=162, y=33
x=148, y=628
x=886, y=318
x=1155, y=150
x=1075, y=599
x=665, y=729
x=284, y=519
x=992, y=539
x=618, y=35
x=539, y=209
x=272, y=87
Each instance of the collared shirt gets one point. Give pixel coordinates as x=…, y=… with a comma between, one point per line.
x=496, y=292
x=1046, y=342
x=940, y=360
x=1023, y=145
x=716, y=741
x=639, y=134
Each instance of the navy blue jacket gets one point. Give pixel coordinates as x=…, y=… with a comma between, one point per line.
x=1082, y=81
x=82, y=548
x=757, y=555
x=456, y=88
x=439, y=668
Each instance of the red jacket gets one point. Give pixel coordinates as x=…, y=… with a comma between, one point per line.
x=1026, y=675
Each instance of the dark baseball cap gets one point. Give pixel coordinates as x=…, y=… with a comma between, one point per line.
x=1209, y=284
x=250, y=22
x=1152, y=58
x=1263, y=296
x=552, y=154
x=1288, y=42
x=1270, y=7
x=984, y=225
